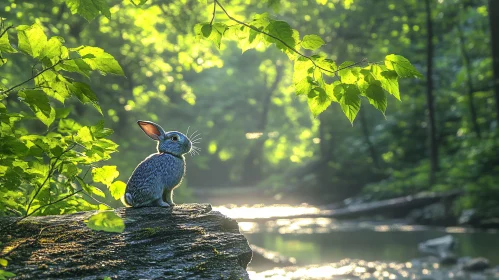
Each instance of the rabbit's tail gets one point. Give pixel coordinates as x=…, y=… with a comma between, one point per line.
x=127, y=200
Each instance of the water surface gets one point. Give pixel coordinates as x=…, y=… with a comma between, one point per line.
x=347, y=248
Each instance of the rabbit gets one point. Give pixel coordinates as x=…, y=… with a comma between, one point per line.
x=153, y=180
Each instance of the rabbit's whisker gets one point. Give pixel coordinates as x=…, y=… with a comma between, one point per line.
x=193, y=134
x=187, y=133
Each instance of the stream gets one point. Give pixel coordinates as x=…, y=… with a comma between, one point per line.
x=331, y=249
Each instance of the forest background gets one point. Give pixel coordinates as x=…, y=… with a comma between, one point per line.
x=256, y=106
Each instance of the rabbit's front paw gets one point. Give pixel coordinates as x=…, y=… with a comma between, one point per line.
x=171, y=204
x=161, y=203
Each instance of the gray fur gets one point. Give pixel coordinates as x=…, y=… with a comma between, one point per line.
x=153, y=180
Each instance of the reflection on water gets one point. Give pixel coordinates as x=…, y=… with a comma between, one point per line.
x=331, y=249
x=265, y=211
x=399, y=246
x=325, y=225
x=359, y=269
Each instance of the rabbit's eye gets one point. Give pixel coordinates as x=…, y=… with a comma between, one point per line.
x=175, y=138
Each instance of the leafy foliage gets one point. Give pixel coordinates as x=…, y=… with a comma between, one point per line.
x=43, y=171
x=89, y=9
x=311, y=73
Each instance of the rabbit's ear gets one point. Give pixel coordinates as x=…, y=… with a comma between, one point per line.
x=151, y=129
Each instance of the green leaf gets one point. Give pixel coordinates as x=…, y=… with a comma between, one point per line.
x=250, y=40
x=388, y=79
x=217, y=33
x=390, y=83
x=100, y=60
x=376, y=96
x=206, y=30
x=312, y=42
x=3, y=262
x=89, y=9
x=213, y=32
x=105, y=174
x=54, y=85
x=90, y=189
x=349, y=98
x=77, y=65
x=85, y=94
x=327, y=64
x=261, y=20
x=61, y=113
x=38, y=102
x=84, y=136
x=53, y=48
x=402, y=66
x=32, y=39
x=5, y=274
x=301, y=79
x=348, y=75
x=106, y=221
x=99, y=131
x=198, y=29
x=139, y=3
x=117, y=189
x=36, y=98
x=330, y=90
x=283, y=31
x=5, y=44
x=82, y=183
x=318, y=101
x=70, y=170
x=94, y=190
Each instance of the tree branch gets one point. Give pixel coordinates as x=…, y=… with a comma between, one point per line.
x=5, y=30
x=33, y=77
x=284, y=43
x=214, y=12
x=51, y=171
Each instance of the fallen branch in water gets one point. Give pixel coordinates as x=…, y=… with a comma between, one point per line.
x=398, y=207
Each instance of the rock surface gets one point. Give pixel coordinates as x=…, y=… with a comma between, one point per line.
x=476, y=264
x=188, y=242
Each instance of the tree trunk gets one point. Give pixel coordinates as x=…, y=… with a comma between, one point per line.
x=494, y=34
x=252, y=163
x=429, y=96
x=467, y=66
x=365, y=133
